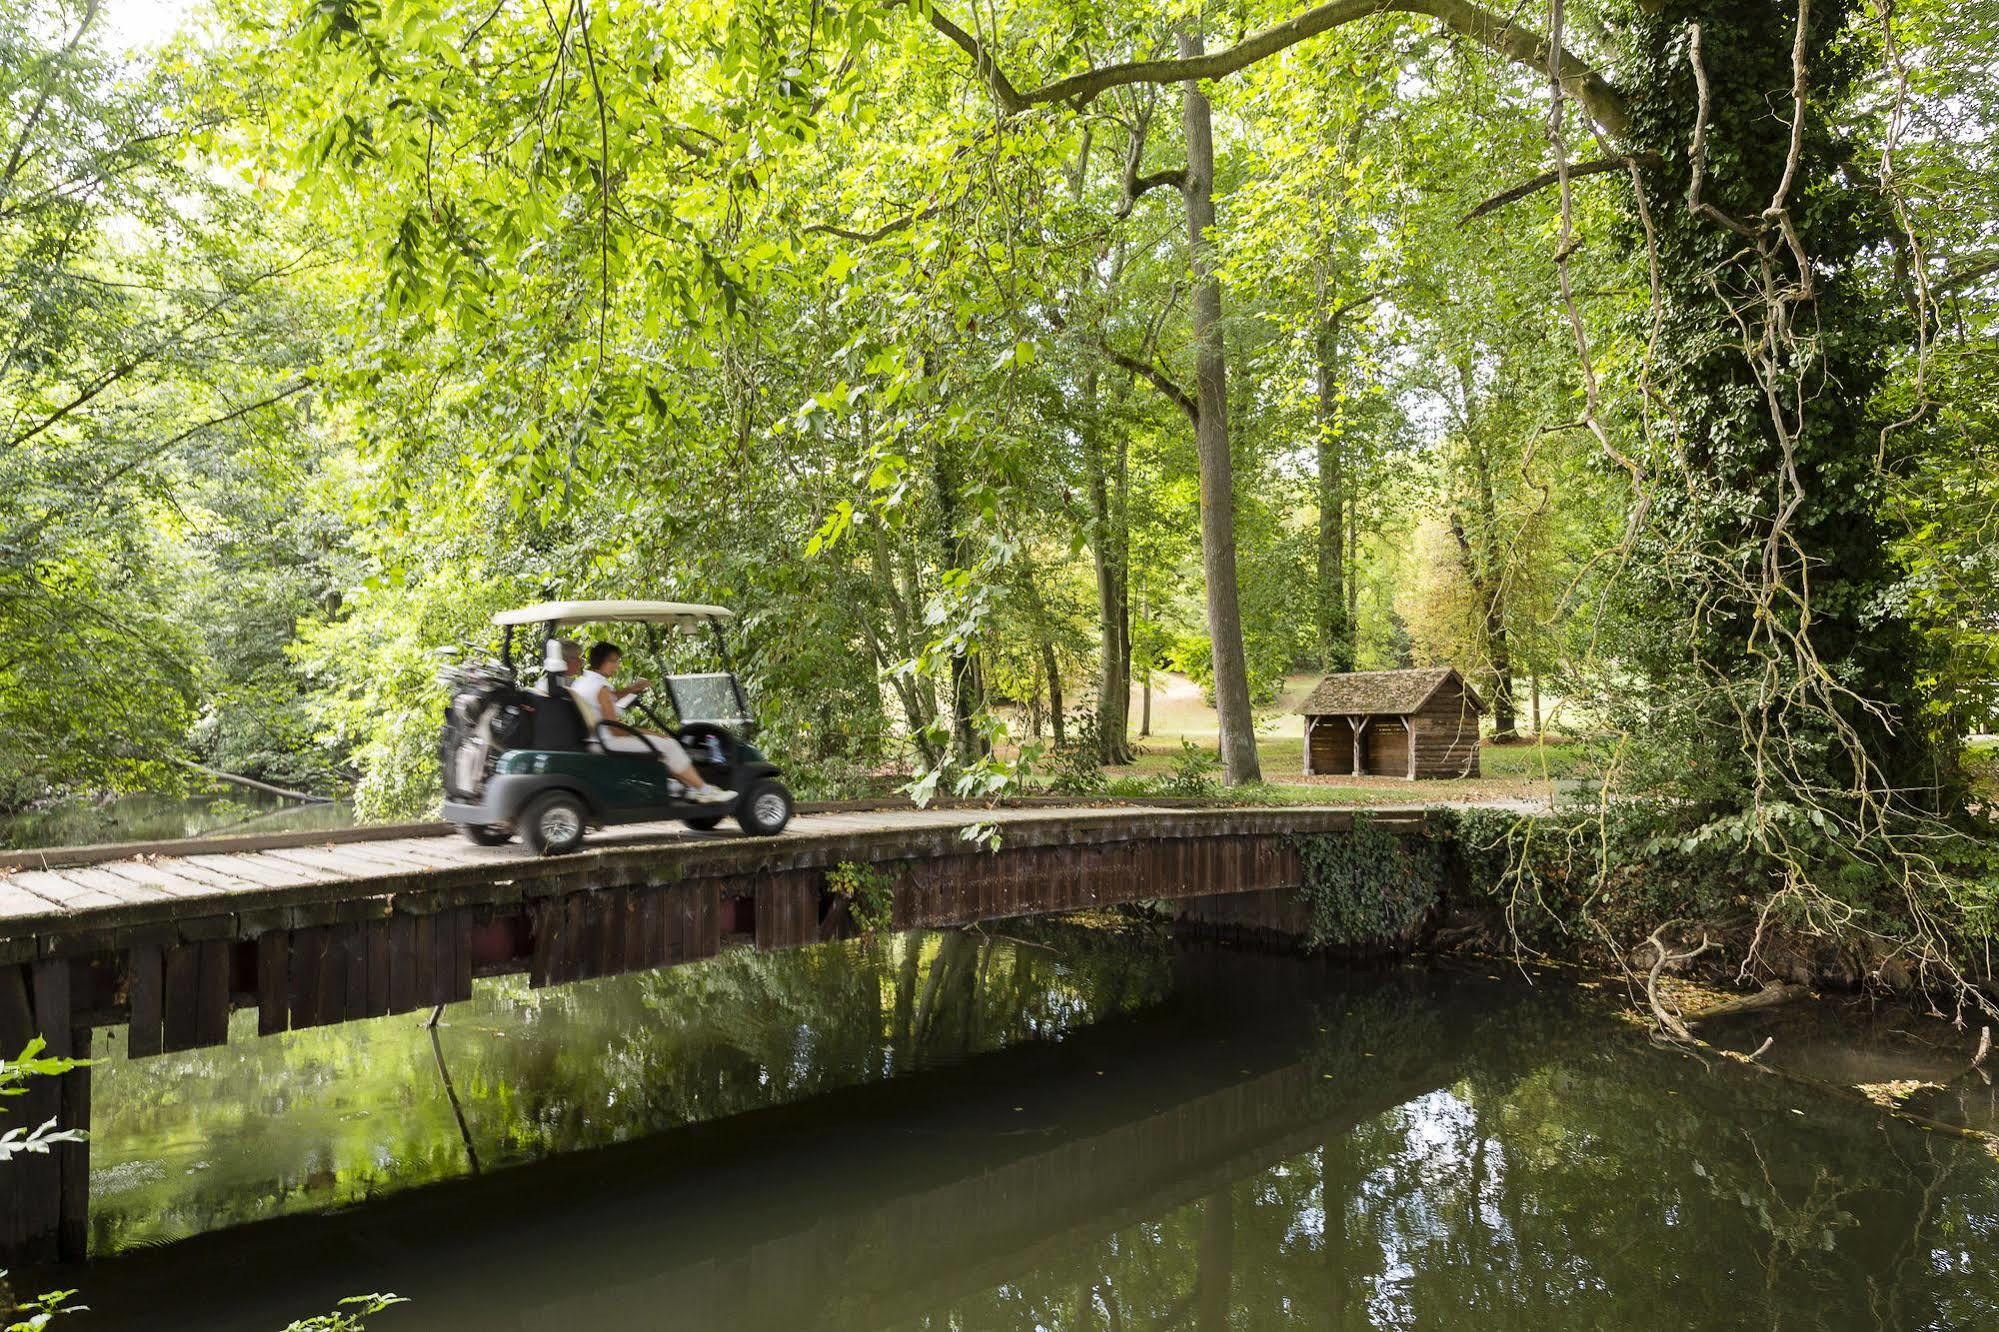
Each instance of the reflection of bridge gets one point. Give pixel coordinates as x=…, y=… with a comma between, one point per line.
x=862, y=1208
x=334, y=928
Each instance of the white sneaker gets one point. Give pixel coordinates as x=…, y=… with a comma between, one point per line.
x=710, y=795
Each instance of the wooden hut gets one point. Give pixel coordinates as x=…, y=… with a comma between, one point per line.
x=1420, y=723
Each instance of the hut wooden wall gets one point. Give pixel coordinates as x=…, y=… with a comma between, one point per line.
x=1447, y=735
x=1387, y=745
x=1332, y=746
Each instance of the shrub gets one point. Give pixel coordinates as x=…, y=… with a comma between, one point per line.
x=869, y=893
x=1367, y=886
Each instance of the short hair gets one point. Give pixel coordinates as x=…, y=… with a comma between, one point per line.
x=569, y=647
x=600, y=652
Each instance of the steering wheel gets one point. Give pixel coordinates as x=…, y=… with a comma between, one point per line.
x=643, y=706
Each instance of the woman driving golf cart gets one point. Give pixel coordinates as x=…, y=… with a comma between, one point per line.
x=604, y=707
x=553, y=763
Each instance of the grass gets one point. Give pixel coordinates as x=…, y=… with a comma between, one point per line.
x=1981, y=769
x=1517, y=771
x=1507, y=772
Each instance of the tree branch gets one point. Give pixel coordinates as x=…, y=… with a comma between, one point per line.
x=1964, y=277
x=882, y=232
x=1492, y=31
x=1003, y=90
x=101, y=486
x=1136, y=185
x=1158, y=378
x=1542, y=182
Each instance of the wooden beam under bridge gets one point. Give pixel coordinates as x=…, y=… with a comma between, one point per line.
x=346, y=930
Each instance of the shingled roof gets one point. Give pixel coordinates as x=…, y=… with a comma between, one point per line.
x=1379, y=693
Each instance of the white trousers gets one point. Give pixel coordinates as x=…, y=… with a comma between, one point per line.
x=676, y=757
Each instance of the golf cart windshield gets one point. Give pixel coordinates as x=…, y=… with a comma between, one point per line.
x=712, y=697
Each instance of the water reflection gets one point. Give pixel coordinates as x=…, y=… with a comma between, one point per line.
x=261, y=1128
x=148, y=817
x=1103, y=1133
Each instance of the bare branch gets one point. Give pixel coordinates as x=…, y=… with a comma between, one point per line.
x=1003, y=90
x=1496, y=33
x=1542, y=182
x=1158, y=378
x=1698, y=152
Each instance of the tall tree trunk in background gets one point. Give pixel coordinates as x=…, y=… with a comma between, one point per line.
x=1504, y=722
x=967, y=679
x=1053, y=669
x=1145, y=704
x=1335, y=634
x=1352, y=583
x=912, y=690
x=1489, y=595
x=1112, y=556
x=1211, y=443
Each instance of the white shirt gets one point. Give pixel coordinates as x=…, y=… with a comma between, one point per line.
x=587, y=688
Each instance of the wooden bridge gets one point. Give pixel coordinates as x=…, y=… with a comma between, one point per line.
x=310, y=930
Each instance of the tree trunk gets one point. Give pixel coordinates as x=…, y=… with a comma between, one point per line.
x=913, y=691
x=1053, y=668
x=1335, y=638
x=967, y=679
x=1111, y=558
x=1145, y=697
x=1486, y=592
x=1504, y=722
x=1211, y=443
x=1352, y=584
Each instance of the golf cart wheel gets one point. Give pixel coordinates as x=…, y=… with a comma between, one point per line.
x=764, y=809
x=706, y=823
x=487, y=834
x=554, y=824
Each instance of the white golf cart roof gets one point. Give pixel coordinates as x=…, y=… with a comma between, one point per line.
x=678, y=613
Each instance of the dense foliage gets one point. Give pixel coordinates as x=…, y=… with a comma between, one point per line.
x=1635, y=358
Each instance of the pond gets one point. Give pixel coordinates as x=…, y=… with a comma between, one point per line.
x=149, y=817
x=1052, y=1125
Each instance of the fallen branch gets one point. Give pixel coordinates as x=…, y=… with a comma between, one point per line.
x=252, y=784
x=1768, y=997
x=1668, y=1019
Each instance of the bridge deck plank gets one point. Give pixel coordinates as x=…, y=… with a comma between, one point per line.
x=254, y=870
x=70, y=895
x=163, y=876
x=78, y=903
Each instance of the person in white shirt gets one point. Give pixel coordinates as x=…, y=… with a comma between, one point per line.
x=604, y=702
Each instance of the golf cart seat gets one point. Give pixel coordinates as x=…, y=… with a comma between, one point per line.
x=558, y=723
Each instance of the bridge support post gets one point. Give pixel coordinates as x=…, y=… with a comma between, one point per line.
x=45, y=1196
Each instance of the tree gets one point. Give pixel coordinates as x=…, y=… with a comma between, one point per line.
x=151, y=363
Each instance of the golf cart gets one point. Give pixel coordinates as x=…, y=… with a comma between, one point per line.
x=526, y=761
